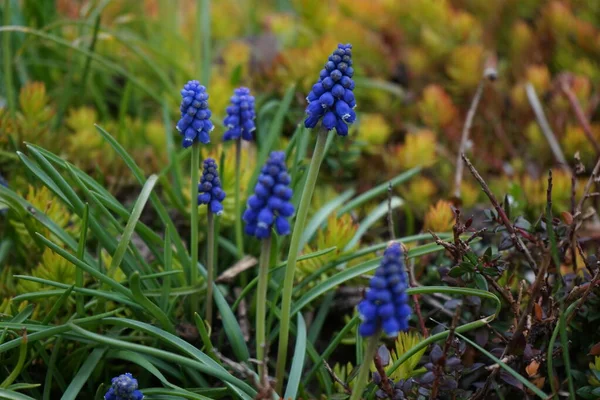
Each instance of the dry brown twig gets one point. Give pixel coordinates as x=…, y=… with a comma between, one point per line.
x=565, y=86
x=336, y=378
x=504, y=220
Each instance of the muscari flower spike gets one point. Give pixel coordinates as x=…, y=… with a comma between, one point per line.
x=270, y=204
x=195, y=124
x=331, y=98
x=386, y=303
x=240, y=115
x=209, y=188
x=124, y=387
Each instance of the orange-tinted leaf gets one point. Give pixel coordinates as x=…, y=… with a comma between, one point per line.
x=567, y=217
x=537, y=309
x=532, y=368
x=595, y=350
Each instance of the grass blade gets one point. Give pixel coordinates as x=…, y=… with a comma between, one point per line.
x=83, y=374
x=130, y=227
x=379, y=190
x=149, y=306
x=298, y=360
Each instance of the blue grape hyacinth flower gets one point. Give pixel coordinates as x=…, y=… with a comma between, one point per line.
x=240, y=116
x=270, y=204
x=209, y=188
x=386, y=303
x=332, y=98
x=195, y=124
x=124, y=387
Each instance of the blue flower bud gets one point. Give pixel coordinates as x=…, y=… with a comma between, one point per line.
x=124, y=387
x=334, y=83
x=240, y=116
x=209, y=188
x=270, y=206
x=329, y=120
x=386, y=303
x=194, y=124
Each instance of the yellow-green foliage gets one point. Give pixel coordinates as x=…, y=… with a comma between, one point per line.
x=43, y=200
x=374, y=131
x=404, y=342
x=32, y=120
x=439, y=217
x=594, y=367
x=338, y=233
x=418, y=193
x=51, y=267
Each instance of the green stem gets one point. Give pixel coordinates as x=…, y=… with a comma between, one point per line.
x=261, y=303
x=193, y=273
x=204, y=20
x=239, y=238
x=8, y=77
x=365, y=367
x=210, y=268
x=288, y=283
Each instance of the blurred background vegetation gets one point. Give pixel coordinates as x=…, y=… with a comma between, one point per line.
x=69, y=64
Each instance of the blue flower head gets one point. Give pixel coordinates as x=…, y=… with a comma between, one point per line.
x=124, y=387
x=209, y=188
x=195, y=124
x=331, y=98
x=3, y=181
x=270, y=204
x=240, y=115
x=386, y=303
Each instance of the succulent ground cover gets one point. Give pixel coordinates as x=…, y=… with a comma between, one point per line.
x=299, y=199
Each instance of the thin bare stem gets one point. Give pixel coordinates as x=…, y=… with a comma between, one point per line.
x=465, y=137
x=580, y=114
x=545, y=126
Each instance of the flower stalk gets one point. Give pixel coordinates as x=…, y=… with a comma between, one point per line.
x=288, y=283
x=210, y=267
x=193, y=273
x=363, y=372
x=261, y=304
x=239, y=237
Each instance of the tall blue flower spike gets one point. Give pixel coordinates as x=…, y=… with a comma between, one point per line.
x=240, y=115
x=270, y=204
x=124, y=387
x=386, y=303
x=332, y=97
x=209, y=188
x=195, y=124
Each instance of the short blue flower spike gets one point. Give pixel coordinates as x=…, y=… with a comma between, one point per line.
x=332, y=98
x=124, y=387
x=386, y=303
x=209, y=188
x=240, y=116
x=3, y=181
x=270, y=204
x=195, y=124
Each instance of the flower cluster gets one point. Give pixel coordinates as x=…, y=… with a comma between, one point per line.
x=124, y=387
x=195, y=124
x=240, y=115
x=386, y=302
x=209, y=188
x=331, y=98
x=270, y=204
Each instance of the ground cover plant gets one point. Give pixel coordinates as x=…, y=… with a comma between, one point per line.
x=299, y=199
